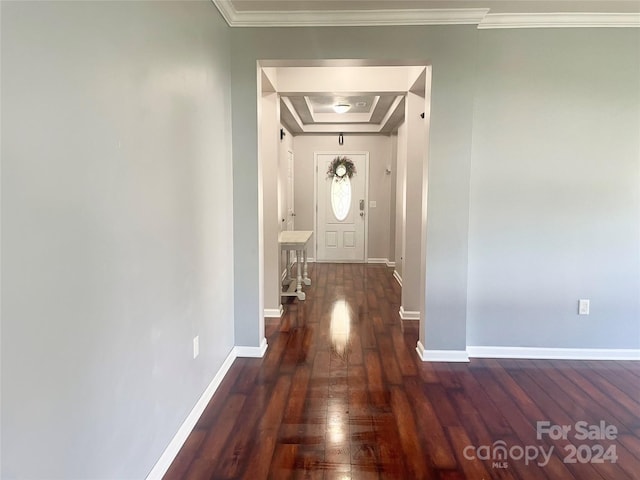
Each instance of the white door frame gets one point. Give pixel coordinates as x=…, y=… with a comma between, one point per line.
x=366, y=198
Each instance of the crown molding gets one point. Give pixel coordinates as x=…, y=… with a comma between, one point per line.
x=559, y=20
x=349, y=18
x=452, y=16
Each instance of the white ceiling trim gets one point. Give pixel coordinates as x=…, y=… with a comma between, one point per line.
x=453, y=16
x=559, y=20
x=349, y=18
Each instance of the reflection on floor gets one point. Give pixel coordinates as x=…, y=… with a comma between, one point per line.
x=342, y=394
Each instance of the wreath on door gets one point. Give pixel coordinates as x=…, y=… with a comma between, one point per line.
x=340, y=168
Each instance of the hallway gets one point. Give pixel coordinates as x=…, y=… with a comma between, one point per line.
x=342, y=394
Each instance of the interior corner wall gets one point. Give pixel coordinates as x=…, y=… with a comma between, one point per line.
x=555, y=189
x=401, y=188
x=392, y=197
x=379, y=148
x=269, y=151
x=116, y=230
x=415, y=154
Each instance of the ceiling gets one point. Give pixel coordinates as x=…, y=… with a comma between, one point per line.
x=369, y=112
x=374, y=93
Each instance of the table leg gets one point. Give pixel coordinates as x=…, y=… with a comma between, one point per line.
x=301, y=295
x=305, y=278
x=299, y=271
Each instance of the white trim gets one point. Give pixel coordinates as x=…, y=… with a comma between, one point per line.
x=390, y=264
x=378, y=260
x=326, y=18
x=170, y=453
x=274, y=312
x=554, y=353
x=441, y=355
x=397, y=276
x=408, y=314
x=252, y=352
x=559, y=20
x=446, y=16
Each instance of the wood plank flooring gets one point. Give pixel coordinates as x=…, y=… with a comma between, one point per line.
x=341, y=394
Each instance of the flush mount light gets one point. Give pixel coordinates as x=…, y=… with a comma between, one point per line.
x=341, y=107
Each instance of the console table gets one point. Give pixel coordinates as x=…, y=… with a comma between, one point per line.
x=295, y=240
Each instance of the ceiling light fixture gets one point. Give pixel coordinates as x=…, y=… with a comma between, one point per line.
x=341, y=107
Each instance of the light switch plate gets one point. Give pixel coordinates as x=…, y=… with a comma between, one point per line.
x=372, y=204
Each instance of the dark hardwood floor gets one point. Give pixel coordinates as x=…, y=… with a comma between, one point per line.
x=342, y=394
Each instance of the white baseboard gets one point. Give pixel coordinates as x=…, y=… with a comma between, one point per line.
x=168, y=456
x=252, y=352
x=554, y=353
x=377, y=260
x=397, y=276
x=166, y=459
x=441, y=355
x=391, y=264
x=273, y=312
x=408, y=314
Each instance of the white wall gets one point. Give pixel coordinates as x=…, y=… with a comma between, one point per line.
x=116, y=230
x=380, y=157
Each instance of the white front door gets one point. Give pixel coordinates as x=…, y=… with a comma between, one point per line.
x=342, y=210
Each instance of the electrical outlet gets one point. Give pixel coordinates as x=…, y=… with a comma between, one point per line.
x=196, y=346
x=583, y=307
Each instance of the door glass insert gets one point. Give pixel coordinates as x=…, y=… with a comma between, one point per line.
x=341, y=197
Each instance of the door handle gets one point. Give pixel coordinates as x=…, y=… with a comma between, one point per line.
x=362, y=205
x=362, y=214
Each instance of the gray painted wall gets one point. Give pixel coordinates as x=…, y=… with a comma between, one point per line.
x=555, y=189
x=116, y=230
x=451, y=50
x=401, y=189
x=379, y=148
x=414, y=151
x=270, y=140
x=116, y=207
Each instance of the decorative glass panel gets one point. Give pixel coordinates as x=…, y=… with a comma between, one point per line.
x=341, y=197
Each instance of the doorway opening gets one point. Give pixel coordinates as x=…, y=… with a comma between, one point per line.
x=301, y=129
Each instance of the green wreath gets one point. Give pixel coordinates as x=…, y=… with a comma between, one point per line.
x=341, y=167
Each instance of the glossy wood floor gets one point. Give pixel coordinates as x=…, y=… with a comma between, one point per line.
x=341, y=394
